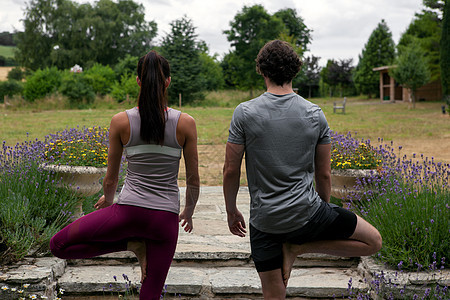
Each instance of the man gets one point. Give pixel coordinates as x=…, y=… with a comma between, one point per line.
x=287, y=146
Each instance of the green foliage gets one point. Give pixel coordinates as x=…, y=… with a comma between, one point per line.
x=309, y=76
x=378, y=51
x=126, y=66
x=181, y=49
x=42, y=83
x=249, y=31
x=16, y=74
x=338, y=74
x=295, y=28
x=10, y=88
x=33, y=208
x=76, y=87
x=425, y=32
x=64, y=33
x=445, y=54
x=101, y=78
x=211, y=73
x=125, y=89
x=412, y=70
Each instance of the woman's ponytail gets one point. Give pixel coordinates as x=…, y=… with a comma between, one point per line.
x=153, y=70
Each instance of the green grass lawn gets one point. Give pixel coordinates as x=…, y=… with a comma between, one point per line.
x=370, y=119
x=7, y=51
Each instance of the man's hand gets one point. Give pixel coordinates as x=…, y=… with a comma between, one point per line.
x=236, y=223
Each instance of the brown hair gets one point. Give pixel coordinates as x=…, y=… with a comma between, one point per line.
x=153, y=70
x=278, y=61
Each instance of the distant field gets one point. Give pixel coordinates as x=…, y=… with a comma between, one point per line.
x=4, y=73
x=7, y=51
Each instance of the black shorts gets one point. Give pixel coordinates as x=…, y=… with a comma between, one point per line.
x=330, y=222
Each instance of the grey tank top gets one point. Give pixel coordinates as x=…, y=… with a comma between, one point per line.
x=152, y=173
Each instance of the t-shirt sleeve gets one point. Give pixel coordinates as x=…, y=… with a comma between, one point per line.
x=324, y=135
x=236, y=131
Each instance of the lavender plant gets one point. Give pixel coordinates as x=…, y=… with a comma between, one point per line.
x=409, y=204
x=33, y=208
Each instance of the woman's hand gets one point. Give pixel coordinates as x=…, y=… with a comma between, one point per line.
x=102, y=203
x=186, y=218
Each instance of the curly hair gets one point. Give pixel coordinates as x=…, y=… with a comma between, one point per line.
x=278, y=61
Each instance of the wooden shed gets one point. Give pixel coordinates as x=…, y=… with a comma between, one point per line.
x=392, y=91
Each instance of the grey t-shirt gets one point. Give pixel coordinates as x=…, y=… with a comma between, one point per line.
x=280, y=134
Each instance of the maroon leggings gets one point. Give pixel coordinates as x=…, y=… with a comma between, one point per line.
x=109, y=229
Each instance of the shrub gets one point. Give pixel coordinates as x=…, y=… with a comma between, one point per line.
x=101, y=78
x=33, y=208
x=42, y=83
x=76, y=87
x=16, y=74
x=126, y=66
x=10, y=88
x=409, y=204
x=126, y=88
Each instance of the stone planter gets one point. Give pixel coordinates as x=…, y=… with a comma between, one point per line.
x=343, y=181
x=84, y=181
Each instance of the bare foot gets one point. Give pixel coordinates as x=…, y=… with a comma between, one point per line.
x=290, y=253
x=139, y=248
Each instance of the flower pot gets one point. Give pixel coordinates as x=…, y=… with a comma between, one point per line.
x=343, y=181
x=84, y=181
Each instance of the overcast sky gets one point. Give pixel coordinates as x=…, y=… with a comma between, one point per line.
x=340, y=27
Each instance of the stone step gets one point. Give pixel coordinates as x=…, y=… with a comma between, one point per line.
x=206, y=282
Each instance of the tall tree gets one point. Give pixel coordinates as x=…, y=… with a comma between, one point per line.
x=250, y=29
x=338, y=74
x=411, y=69
x=425, y=31
x=181, y=48
x=63, y=33
x=295, y=28
x=309, y=75
x=378, y=51
x=445, y=54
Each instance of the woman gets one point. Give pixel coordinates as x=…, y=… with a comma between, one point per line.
x=145, y=218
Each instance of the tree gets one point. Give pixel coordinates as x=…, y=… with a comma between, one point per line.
x=411, y=69
x=378, y=51
x=445, y=54
x=425, y=31
x=250, y=29
x=295, y=28
x=181, y=48
x=63, y=33
x=211, y=72
x=338, y=74
x=309, y=75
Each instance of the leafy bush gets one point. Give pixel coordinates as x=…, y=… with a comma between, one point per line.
x=127, y=88
x=76, y=87
x=10, y=88
x=42, y=83
x=16, y=74
x=126, y=66
x=101, y=78
x=409, y=204
x=33, y=208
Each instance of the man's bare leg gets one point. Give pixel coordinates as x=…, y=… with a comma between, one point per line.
x=365, y=241
x=139, y=248
x=272, y=285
